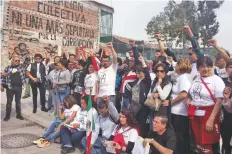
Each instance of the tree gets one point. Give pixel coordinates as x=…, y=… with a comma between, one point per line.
x=208, y=24
x=171, y=21
x=201, y=18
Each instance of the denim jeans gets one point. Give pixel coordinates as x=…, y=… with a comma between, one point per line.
x=97, y=148
x=61, y=96
x=50, y=98
x=55, y=100
x=69, y=138
x=51, y=133
x=125, y=103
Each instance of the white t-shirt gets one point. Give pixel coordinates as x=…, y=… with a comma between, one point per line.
x=222, y=73
x=200, y=95
x=194, y=71
x=68, y=112
x=107, y=79
x=90, y=82
x=130, y=135
x=182, y=83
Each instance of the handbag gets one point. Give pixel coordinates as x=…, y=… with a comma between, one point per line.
x=152, y=103
x=61, y=88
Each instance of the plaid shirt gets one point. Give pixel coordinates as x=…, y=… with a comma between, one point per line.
x=7, y=80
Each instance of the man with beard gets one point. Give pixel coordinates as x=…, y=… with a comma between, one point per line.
x=13, y=81
x=107, y=76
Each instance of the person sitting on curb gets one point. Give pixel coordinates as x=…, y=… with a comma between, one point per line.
x=72, y=134
x=53, y=131
x=104, y=125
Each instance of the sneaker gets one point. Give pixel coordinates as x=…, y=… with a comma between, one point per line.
x=43, y=144
x=39, y=140
x=68, y=150
x=19, y=117
x=6, y=118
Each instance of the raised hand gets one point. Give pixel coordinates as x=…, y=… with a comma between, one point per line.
x=157, y=36
x=212, y=43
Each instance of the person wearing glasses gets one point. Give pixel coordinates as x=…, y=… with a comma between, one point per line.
x=140, y=89
x=160, y=89
x=36, y=73
x=104, y=125
x=13, y=81
x=107, y=76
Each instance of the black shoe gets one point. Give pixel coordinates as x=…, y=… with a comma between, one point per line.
x=34, y=110
x=68, y=150
x=19, y=117
x=6, y=118
x=44, y=110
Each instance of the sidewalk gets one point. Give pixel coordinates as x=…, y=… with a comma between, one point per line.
x=41, y=118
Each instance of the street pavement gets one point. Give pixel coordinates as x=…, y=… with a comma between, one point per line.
x=33, y=124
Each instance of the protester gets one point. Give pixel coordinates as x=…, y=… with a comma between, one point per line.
x=53, y=79
x=72, y=134
x=226, y=125
x=107, y=76
x=63, y=81
x=162, y=139
x=66, y=117
x=179, y=110
x=125, y=133
x=71, y=62
x=140, y=89
x=104, y=125
x=36, y=73
x=13, y=81
x=204, y=106
x=161, y=90
x=78, y=80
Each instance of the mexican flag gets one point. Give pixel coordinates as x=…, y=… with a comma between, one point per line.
x=90, y=124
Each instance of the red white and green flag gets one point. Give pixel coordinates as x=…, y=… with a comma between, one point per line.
x=90, y=124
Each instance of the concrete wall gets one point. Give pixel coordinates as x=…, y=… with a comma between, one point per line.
x=48, y=27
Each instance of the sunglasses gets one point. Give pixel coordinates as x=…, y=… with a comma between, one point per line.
x=161, y=71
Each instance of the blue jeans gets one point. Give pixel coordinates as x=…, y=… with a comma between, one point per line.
x=71, y=138
x=125, y=103
x=61, y=96
x=51, y=133
x=97, y=148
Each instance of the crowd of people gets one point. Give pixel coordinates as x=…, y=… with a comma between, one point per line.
x=179, y=106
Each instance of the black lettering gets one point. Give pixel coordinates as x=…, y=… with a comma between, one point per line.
x=83, y=32
x=63, y=14
x=40, y=35
x=57, y=12
x=46, y=9
x=64, y=41
x=34, y=22
x=40, y=24
x=49, y=26
x=83, y=19
x=80, y=31
x=80, y=7
x=77, y=17
x=60, y=31
x=39, y=8
x=28, y=21
x=17, y=18
x=53, y=37
x=67, y=30
x=66, y=4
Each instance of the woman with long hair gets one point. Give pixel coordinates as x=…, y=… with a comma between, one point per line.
x=204, y=102
x=63, y=80
x=125, y=133
x=64, y=117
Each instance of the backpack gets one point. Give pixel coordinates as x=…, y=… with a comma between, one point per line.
x=135, y=105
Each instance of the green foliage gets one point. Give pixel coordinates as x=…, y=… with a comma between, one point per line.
x=201, y=18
